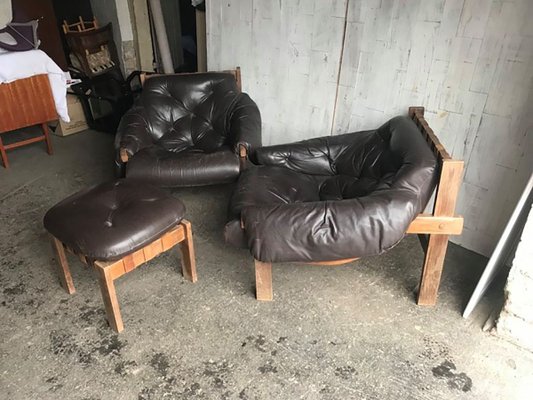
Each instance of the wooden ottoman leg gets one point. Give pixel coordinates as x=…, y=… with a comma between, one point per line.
x=109, y=295
x=432, y=270
x=263, y=281
x=188, y=259
x=64, y=269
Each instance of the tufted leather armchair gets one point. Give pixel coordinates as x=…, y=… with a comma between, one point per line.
x=188, y=130
x=335, y=197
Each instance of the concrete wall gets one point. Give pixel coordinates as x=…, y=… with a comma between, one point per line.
x=289, y=52
x=469, y=62
x=516, y=319
x=118, y=13
x=5, y=12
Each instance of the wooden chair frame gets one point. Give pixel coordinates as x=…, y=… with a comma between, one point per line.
x=124, y=157
x=109, y=271
x=80, y=26
x=433, y=229
x=26, y=102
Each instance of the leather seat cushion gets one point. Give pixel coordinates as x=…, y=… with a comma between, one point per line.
x=113, y=219
x=334, y=197
x=191, y=167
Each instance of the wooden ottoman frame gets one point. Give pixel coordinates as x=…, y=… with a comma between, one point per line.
x=108, y=271
x=433, y=229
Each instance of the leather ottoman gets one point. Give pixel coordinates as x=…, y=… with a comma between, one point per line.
x=116, y=227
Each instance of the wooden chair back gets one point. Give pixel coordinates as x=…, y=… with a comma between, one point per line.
x=80, y=26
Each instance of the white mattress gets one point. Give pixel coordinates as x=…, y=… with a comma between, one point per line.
x=23, y=64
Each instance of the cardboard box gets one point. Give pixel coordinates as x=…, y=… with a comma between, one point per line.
x=77, y=122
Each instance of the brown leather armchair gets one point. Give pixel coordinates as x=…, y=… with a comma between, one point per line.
x=188, y=130
x=334, y=199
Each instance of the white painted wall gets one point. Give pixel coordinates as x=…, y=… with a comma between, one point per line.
x=469, y=62
x=289, y=52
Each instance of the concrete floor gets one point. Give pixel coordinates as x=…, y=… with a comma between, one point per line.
x=349, y=332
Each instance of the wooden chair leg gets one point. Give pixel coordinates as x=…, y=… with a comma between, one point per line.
x=432, y=270
x=3, y=154
x=109, y=295
x=263, y=281
x=64, y=269
x=188, y=259
x=46, y=133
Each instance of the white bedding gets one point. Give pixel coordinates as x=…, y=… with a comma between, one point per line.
x=23, y=64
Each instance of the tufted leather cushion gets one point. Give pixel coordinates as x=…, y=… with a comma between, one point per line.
x=334, y=197
x=193, y=114
x=113, y=219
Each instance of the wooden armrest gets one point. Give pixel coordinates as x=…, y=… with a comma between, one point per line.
x=430, y=224
x=243, y=153
x=124, y=157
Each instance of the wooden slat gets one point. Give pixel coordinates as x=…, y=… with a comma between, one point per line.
x=149, y=252
x=427, y=223
x=138, y=258
x=25, y=142
x=448, y=188
x=129, y=263
x=171, y=238
x=417, y=114
x=235, y=72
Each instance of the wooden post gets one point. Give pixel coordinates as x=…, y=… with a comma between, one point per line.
x=238, y=78
x=123, y=153
x=188, y=260
x=3, y=154
x=64, y=269
x=46, y=133
x=109, y=295
x=447, y=192
x=263, y=281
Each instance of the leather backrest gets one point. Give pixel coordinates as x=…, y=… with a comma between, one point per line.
x=392, y=156
x=190, y=110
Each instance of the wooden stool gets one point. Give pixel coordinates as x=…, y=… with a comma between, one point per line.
x=108, y=271
x=116, y=227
